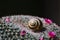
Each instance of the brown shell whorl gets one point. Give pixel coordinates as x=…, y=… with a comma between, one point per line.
x=35, y=24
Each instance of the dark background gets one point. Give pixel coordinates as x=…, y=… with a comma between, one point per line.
x=41, y=8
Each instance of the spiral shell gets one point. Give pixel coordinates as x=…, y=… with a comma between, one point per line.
x=34, y=24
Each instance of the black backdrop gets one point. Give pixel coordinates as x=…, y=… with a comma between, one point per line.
x=41, y=8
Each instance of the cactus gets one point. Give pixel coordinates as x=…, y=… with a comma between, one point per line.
x=17, y=28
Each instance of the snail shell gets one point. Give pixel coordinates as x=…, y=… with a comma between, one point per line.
x=35, y=24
